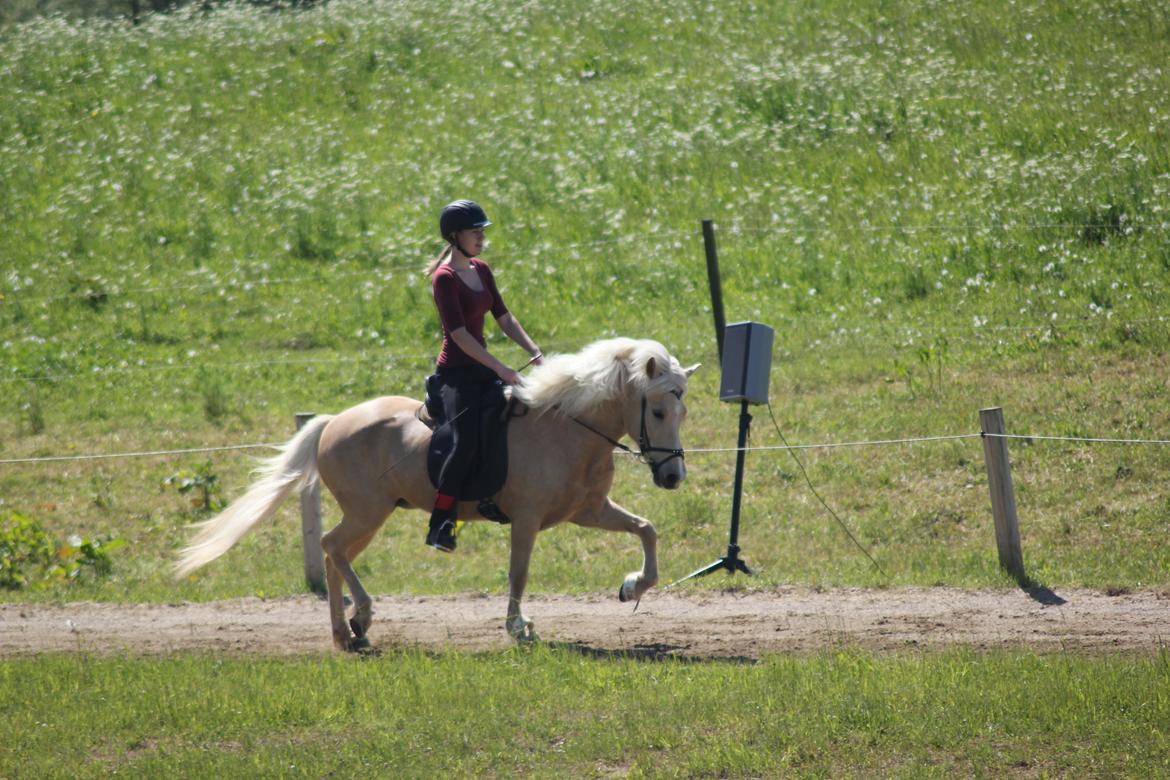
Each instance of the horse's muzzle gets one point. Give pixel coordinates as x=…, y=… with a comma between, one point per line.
x=669, y=480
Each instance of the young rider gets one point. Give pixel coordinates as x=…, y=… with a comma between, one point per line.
x=465, y=291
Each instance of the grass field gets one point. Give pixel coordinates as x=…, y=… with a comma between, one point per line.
x=211, y=221
x=406, y=714
x=200, y=245
x=214, y=220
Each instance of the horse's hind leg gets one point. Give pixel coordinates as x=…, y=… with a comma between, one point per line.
x=362, y=613
x=342, y=639
x=341, y=546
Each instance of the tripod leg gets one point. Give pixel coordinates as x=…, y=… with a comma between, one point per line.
x=731, y=562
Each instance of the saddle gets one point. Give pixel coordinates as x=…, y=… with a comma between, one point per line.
x=490, y=468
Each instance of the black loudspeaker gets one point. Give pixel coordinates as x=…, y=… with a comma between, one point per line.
x=747, y=362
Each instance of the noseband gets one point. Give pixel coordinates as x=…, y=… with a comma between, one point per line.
x=644, y=445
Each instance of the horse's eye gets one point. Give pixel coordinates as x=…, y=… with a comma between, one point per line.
x=658, y=415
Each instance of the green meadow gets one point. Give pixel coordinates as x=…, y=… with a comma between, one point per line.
x=213, y=220
x=409, y=714
x=218, y=218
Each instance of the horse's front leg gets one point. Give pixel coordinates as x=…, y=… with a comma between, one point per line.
x=611, y=517
x=523, y=540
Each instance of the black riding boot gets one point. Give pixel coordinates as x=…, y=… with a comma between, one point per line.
x=441, y=532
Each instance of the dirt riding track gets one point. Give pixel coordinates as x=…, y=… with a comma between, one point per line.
x=713, y=624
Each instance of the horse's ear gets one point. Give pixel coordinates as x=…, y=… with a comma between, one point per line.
x=651, y=368
x=692, y=369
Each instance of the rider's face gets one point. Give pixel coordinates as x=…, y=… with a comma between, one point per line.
x=470, y=241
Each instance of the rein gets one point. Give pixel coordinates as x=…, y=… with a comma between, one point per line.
x=644, y=445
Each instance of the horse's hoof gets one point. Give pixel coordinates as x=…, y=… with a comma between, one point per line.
x=629, y=588
x=358, y=629
x=358, y=644
x=521, y=630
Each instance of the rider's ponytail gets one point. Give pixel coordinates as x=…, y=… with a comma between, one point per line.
x=431, y=266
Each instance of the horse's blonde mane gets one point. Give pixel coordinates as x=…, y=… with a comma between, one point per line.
x=578, y=382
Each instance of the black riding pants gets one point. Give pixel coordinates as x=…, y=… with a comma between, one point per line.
x=466, y=393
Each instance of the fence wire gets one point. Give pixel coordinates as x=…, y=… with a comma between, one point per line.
x=957, y=333
x=695, y=450
x=1085, y=439
x=14, y=296
x=831, y=445
x=147, y=454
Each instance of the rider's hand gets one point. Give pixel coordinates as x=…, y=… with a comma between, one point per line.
x=509, y=376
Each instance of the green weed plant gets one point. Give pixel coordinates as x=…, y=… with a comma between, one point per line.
x=200, y=485
x=30, y=559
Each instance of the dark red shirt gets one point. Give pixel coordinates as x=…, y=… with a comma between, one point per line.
x=462, y=307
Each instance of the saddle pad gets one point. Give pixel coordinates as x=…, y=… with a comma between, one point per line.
x=490, y=469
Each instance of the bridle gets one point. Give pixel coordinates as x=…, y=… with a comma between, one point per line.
x=644, y=445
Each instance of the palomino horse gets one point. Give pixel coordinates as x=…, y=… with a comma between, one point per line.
x=372, y=457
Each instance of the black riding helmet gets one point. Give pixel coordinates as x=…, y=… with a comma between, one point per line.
x=461, y=215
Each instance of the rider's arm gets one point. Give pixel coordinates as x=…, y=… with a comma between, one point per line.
x=513, y=330
x=477, y=352
x=504, y=318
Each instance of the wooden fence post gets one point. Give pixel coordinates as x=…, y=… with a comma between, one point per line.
x=1003, y=496
x=311, y=527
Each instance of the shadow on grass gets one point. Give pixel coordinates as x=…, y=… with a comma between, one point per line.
x=652, y=652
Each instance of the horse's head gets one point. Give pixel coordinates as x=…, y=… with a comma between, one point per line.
x=639, y=376
x=654, y=411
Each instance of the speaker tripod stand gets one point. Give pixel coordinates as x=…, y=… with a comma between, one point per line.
x=731, y=562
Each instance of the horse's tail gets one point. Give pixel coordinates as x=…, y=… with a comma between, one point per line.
x=294, y=468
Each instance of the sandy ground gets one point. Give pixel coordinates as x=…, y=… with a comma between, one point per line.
x=706, y=625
